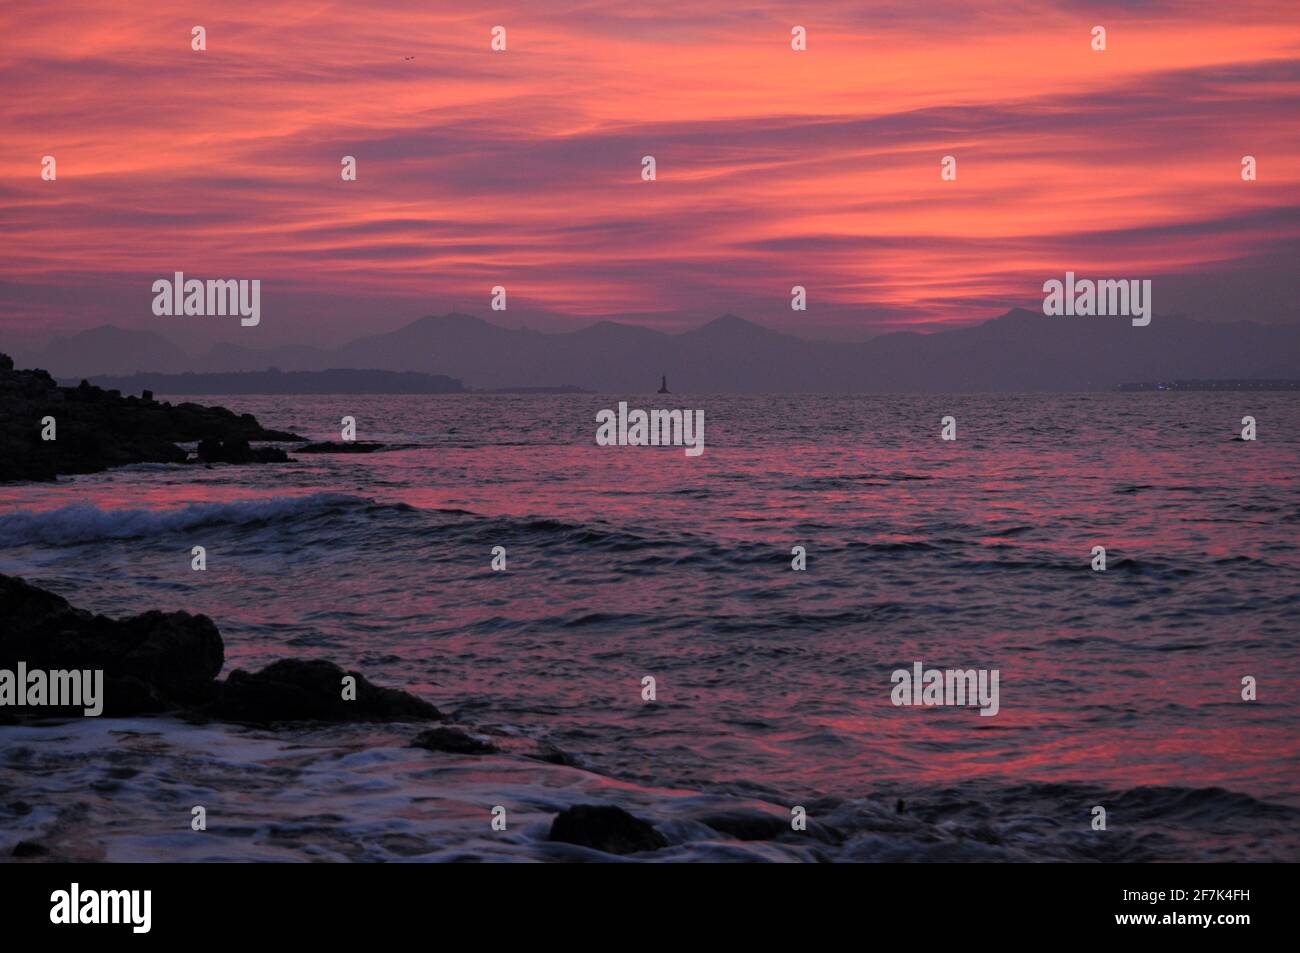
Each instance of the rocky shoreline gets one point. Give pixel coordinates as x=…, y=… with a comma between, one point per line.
x=167, y=664
x=95, y=429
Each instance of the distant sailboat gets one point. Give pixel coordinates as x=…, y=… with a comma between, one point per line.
x=663, y=388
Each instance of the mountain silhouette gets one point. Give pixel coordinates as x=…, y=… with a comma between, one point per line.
x=1018, y=351
x=112, y=350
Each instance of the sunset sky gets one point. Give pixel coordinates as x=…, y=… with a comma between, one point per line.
x=522, y=168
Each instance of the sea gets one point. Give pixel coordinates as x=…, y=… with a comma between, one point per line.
x=1120, y=689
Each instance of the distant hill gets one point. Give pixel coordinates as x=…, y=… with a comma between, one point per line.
x=1018, y=351
x=334, y=381
x=110, y=350
x=1254, y=384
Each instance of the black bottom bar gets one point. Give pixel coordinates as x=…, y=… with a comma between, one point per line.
x=331, y=903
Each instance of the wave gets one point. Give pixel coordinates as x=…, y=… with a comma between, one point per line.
x=86, y=523
x=365, y=794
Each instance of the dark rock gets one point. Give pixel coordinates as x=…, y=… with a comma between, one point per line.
x=605, y=828
x=752, y=824
x=452, y=741
x=312, y=690
x=169, y=662
x=151, y=662
x=213, y=450
x=28, y=848
x=748, y=825
x=337, y=446
x=550, y=754
x=98, y=429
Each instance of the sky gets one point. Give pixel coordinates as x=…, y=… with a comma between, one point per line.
x=523, y=168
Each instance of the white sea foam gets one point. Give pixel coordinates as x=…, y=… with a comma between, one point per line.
x=86, y=523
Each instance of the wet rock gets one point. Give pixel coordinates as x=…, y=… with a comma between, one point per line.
x=747, y=825
x=452, y=741
x=238, y=451
x=97, y=429
x=605, y=828
x=312, y=690
x=169, y=662
x=750, y=824
x=151, y=662
x=550, y=754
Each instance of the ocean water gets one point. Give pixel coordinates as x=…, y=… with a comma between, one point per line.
x=1119, y=688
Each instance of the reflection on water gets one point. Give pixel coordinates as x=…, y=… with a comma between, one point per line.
x=625, y=562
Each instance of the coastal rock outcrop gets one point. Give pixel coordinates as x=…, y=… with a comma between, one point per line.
x=452, y=741
x=605, y=828
x=158, y=662
x=237, y=450
x=312, y=690
x=95, y=429
x=151, y=662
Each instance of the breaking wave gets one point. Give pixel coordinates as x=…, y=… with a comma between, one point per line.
x=87, y=523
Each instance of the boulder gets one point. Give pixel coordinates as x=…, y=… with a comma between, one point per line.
x=749, y=824
x=237, y=450
x=151, y=662
x=452, y=741
x=312, y=690
x=158, y=662
x=605, y=828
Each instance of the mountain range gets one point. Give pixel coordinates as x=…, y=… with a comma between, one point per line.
x=1018, y=351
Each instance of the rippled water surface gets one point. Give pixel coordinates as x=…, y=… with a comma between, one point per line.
x=1119, y=688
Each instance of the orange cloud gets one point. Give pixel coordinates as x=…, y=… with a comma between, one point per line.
x=522, y=168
